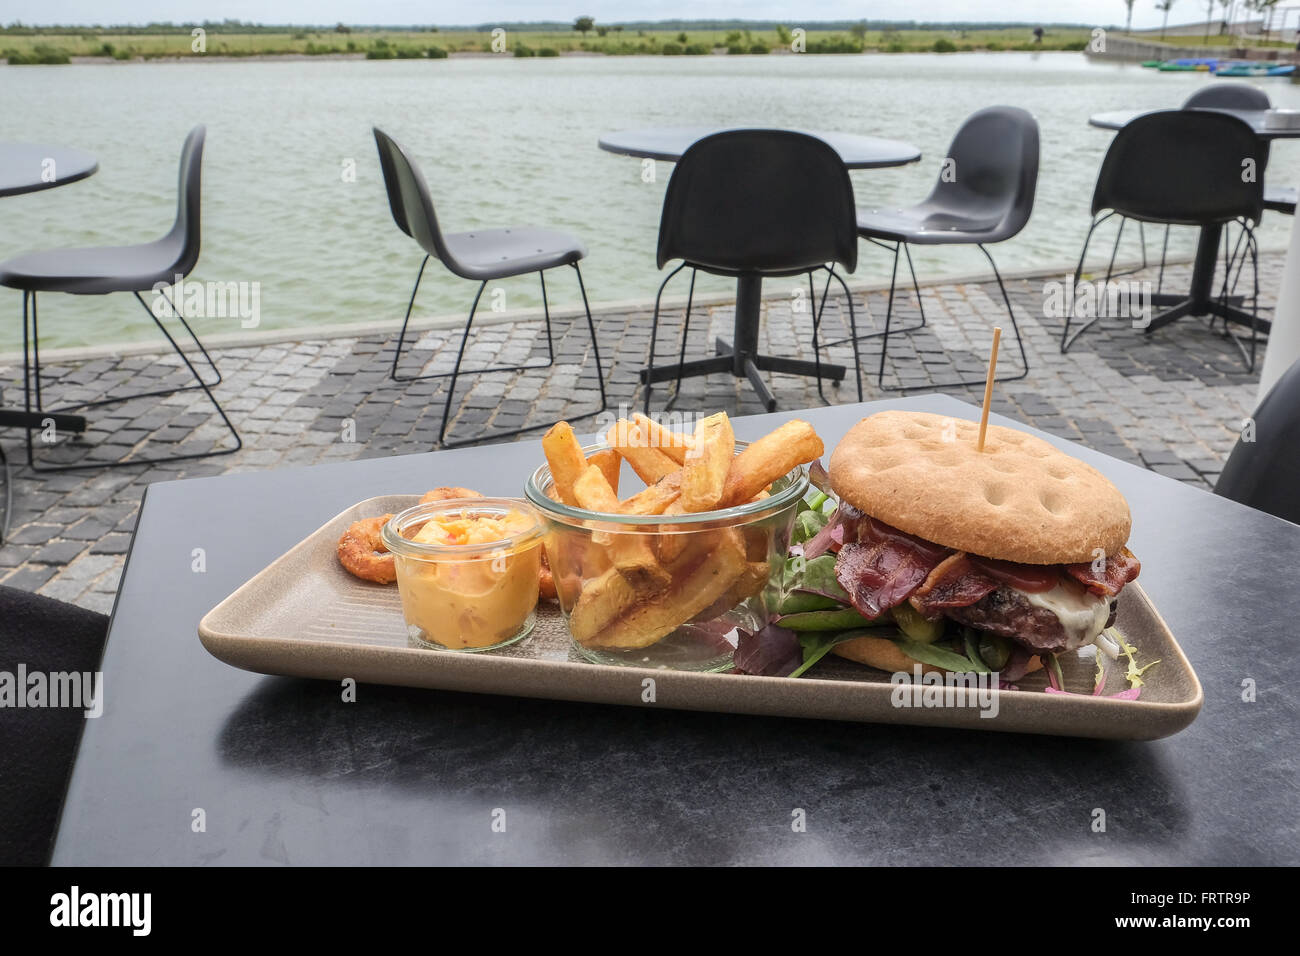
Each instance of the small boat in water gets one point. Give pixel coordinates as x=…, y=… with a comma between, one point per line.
x=1255, y=68
x=1189, y=64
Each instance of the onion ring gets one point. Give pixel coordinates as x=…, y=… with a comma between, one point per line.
x=446, y=494
x=362, y=552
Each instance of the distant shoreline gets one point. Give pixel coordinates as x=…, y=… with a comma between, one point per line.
x=475, y=55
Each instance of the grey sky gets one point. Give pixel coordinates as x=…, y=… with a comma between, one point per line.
x=483, y=11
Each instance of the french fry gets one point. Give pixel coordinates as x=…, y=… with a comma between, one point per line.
x=612, y=613
x=564, y=455
x=767, y=459
x=672, y=544
x=751, y=581
x=609, y=464
x=705, y=473
x=632, y=554
x=649, y=463
x=673, y=444
x=655, y=499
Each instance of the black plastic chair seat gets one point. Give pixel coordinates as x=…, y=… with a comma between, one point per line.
x=1281, y=199
x=96, y=270
x=925, y=224
x=519, y=250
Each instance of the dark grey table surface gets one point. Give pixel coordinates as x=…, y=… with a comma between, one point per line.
x=29, y=167
x=1255, y=119
x=285, y=772
x=667, y=143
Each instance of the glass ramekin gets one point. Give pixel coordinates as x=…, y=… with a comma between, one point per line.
x=466, y=597
x=724, y=570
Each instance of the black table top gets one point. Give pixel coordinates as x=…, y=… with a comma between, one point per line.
x=667, y=143
x=285, y=772
x=1258, y=120
x=29, y=167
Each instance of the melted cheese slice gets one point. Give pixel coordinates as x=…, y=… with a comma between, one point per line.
x=1082, y=614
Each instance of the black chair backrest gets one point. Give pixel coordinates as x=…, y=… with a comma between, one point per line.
x=991, y=171
x=759, y=201
x=408, y=199
x=185, y=233
x=1228, y=95
x=1185, y=167
x=1265, y=473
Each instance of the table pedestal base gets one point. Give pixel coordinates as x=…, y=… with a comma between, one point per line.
x=741, y=357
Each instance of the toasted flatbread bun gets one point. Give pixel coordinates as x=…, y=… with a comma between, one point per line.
x=885, y=655
x=1020, y=499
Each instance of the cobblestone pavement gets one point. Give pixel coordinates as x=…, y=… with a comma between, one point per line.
x=1173, y=401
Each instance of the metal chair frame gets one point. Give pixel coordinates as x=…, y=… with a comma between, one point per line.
x=454, y=374
x=58, y=415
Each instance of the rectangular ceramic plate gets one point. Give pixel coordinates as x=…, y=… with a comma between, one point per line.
x=304, y=616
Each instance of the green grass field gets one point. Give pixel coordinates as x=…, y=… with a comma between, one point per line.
x=380, y=44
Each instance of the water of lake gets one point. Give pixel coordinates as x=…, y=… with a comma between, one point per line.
x=507, y=141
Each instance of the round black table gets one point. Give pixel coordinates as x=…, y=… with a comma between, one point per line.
x=1200, y=300
x=741, y=357
x=667, y=143
x=29, y=168
x=1265, y=123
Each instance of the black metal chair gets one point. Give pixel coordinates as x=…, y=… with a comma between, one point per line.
x=1264, y=471
x=753, y=204
x=984, y=195
x=106, y=269
x=1182, y=167
x=39, y=744
x=482, y=255
x=1228, y=96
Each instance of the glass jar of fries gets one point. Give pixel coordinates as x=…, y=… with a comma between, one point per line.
x=467, y=571
x=665, y=589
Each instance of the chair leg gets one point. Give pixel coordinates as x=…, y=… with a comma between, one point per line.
x=889, y=314
x=681, y=354
x=1015, y=328
x=401, y=339
x=853, y=336
x=510, y=433
x=1114, y=250
x=1066, y=338
x=546, y=312
x=817, y=317
x=853, y=329
x=654, y=333
x=401, y=336
x=146, y=460
x=1011, y=313
x=916, y=288
x=1164, y=250
x=1252, y=249
x=460, y=355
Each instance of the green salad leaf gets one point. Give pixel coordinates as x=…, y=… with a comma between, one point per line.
x=940, y=657
x=800, y=602
x=835, y=619
x=818, y=645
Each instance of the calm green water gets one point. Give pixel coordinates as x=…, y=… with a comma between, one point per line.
x=508, y=141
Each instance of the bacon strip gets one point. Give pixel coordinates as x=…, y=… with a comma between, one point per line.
x=884, y=566
x=954, y=582
x=1118, y=571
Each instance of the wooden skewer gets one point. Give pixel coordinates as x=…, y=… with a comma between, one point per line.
x=988, y=384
